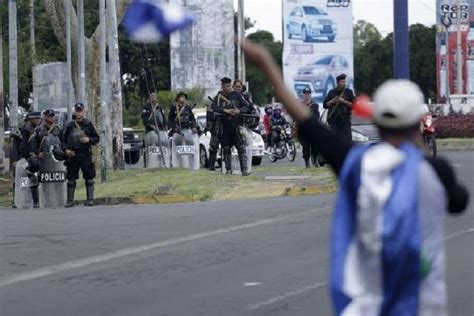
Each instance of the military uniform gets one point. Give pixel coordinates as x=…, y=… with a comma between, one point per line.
x=340, y=115
x=26, y=151
x=153, y=115
x=181, y=118
x=82, y=160
x=228, y=127
x=311, y=150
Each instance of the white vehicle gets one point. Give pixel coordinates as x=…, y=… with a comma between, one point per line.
x=205, y=138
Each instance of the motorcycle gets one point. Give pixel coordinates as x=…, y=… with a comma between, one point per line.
x=428, y=134
x=284, y=145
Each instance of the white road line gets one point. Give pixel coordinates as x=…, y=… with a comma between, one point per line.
x=285, y=296
x=457, y=234
x=317, y=285
x=77, y=264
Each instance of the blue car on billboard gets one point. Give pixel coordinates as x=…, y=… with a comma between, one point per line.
x=310, y=22
x=320, y=75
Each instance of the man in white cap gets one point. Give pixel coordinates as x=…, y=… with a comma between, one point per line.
x=387, y=254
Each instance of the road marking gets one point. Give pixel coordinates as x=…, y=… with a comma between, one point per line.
x=318, y=285
x=77, y=264
x=457, y=234
x=250, y=284
x=285, y=296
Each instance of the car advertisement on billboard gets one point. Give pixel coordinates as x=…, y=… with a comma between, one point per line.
x=318, y=45
x=448, y=24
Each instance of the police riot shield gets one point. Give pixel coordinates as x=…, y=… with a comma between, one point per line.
x=185, y=150
x=52, y=175
x=247, y=138
x=23, y=197
x=157, y=150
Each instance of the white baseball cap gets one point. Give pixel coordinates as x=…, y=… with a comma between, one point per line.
x=398, y=104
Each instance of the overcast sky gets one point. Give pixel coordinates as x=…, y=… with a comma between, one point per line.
x=267, y=13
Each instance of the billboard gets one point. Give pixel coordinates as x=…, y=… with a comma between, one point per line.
x=50, y=86
x=204, y=53
x=446, y=47
x=318, y=45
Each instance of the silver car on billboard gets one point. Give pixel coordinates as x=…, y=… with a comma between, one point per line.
x=310, y=22
x=320, y=75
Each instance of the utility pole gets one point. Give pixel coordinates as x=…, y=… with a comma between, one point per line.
x=239, y=50
x=70, y=92
x=32, y=32
x=242, y=37
x=115, y=80
x=13, y=55
x=2, y=105
x=401, y=60
x=81, y=53
x=459, y=62
x=103, y=94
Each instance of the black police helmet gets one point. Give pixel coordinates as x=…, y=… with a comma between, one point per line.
x=79, y=107
x=48, y=112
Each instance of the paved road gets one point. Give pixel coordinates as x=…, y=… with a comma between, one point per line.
x=258, y=257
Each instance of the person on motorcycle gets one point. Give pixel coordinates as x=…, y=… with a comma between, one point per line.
x=387, y=242
x=266, y=125
x=277, y=123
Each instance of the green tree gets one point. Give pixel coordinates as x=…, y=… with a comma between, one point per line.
x=261, y=90
x=373, y=58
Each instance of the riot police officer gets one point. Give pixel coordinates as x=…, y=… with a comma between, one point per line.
x=33, y=119
x=181, y=115
x=214, y=122
x=48, y=127
x=78, y=137
x=153, y=117
x=228, y=105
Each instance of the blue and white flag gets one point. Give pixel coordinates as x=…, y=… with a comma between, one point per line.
x=149, y=21
x=379, y=264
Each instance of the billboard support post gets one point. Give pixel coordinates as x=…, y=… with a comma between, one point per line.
x=401, y=61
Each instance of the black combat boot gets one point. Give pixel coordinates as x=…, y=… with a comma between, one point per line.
x=244, y=168
x=212, y=161
x=90, y=192
x=71, y=188
x=228, y=163
x=306, y=162
x=35, y=196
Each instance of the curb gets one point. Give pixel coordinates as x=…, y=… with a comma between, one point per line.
x=457, y=144
x=173, y=199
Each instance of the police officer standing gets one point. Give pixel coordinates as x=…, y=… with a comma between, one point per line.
x=153, y=117
x=229, y=105
x=181, y=115
x=47, y=128
x=33, y=119
x=310, y=151
x=214, y=121
x=78, y=137
x=339, y=104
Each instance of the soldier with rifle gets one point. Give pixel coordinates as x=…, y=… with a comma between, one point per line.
x=181, y=115
x=227, y=111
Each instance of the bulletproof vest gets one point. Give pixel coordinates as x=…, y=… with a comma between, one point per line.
x=49, y=138
x=155, y=116
x=184, y=117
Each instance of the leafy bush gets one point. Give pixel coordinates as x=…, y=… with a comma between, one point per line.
x=455, y=126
